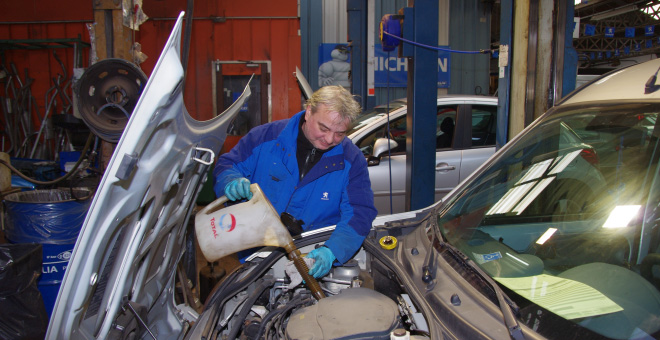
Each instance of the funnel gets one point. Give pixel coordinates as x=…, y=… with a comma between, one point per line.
x=222, y=231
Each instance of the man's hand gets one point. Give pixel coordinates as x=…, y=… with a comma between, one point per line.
x=324, y=258
x=238, y=189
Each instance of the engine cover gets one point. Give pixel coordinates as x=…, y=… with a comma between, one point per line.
x=355, y=313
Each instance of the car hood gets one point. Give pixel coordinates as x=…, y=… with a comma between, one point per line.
x=641, y=82
x=303, y=83
x=125, y=259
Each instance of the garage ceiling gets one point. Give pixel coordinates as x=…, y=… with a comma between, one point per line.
x=619, y=15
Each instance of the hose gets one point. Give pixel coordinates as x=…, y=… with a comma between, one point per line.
x=299, y=300
x=310, y=281
x=57, y=180
x=256, y=293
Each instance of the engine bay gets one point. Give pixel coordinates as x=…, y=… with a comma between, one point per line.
x=363, y=300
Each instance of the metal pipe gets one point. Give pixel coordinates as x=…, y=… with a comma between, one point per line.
x=43, y=22
x=220, y=19
x=43, y=122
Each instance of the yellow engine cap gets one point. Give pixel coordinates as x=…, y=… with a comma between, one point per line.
x=388, y=242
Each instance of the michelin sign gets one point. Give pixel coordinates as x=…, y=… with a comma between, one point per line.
x=388, y=65
x=334, y=61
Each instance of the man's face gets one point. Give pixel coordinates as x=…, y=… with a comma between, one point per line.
x=325, y=128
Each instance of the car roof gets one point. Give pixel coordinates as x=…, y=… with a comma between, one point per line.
x=442, y=99
x=628, y=83
x=450, y=97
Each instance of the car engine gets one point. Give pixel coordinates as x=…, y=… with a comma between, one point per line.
x=258, y=302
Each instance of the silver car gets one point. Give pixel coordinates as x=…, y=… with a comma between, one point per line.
x=465, y=138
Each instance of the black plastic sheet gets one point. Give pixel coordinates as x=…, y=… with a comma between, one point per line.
x=22, y=311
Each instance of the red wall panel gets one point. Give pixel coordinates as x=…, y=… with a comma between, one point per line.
x=221, y=30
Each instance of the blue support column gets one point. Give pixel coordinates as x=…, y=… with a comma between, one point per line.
x=357, y=39
x=422, y=94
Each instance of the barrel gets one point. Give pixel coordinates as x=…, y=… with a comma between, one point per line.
x=52, y=218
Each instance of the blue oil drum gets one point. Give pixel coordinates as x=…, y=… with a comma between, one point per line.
x=52, y=218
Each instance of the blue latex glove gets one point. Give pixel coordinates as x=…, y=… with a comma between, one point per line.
x=324, y=258
x=238, y=189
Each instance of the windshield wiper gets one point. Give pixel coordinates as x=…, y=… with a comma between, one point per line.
x=429, y=267
x=506, y=304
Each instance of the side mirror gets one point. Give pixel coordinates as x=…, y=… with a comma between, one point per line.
x=382, y=145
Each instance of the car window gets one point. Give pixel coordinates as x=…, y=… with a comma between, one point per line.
x=364, y=120
x=571, y=211
x=446, y=122
x=397, y=133
x=484, y=125
x=446, y=125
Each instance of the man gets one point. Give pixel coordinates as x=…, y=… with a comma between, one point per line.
x=307, y=167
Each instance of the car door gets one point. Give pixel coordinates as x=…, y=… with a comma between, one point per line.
x=393, y=162
x=447, y=166
x=448, y=159
x=479, y=142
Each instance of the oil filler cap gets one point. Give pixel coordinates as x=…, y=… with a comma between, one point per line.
x=388, y=242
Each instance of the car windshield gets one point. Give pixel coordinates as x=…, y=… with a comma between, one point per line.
x=567, y=221
x=371, y=115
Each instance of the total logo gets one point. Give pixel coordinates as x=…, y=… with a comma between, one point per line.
x=65, y=255
x=226, y=223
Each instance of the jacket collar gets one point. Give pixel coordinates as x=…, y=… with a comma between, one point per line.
x=288, y=138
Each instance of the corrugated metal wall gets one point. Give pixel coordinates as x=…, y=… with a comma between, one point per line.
x=222, y=30
x=383, y=7
x=469, y=27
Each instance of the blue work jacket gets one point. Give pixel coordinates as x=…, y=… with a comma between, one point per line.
x=336, y=191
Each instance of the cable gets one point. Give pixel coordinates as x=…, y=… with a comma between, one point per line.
x=389, y=134
x=55, y=181
x=436, y=48
x=252, y=298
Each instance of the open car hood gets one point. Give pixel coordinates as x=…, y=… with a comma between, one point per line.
x=125, y=260
x=303, y=83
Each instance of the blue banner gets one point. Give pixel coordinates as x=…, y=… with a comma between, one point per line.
x=389, y=70
x=589, y=29
x=609, y=32
x=649, y=31
x=630, y=32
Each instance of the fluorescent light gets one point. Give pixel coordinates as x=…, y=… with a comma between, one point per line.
x=510, y=199
x=621, y=215
x=615, y=12
x=531, y=196
x=546, y=236
x=518, y=259
x=536, y=171
x=564, y=162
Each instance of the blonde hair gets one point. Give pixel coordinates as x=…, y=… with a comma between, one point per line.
x=337, y=99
